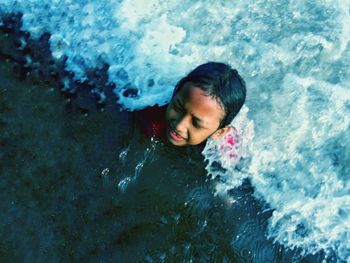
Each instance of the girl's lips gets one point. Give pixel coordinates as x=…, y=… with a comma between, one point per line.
x=175, y=136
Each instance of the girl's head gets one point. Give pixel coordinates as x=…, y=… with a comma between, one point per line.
x=204, y=103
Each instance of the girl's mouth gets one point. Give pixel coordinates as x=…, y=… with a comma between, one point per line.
x=175, y=136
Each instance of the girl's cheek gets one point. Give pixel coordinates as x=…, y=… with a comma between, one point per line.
x=197, y=137
x=170, y=115
x=174, y=115
x=171, y=112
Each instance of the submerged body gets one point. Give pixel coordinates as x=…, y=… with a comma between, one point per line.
x=203, y=105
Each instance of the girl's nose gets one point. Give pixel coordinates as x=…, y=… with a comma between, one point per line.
x=182, y=124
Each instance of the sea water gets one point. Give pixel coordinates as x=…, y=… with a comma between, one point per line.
x=294, y=56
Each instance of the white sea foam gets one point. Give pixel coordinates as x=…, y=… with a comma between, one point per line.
x=295, y=57
x=305, y=175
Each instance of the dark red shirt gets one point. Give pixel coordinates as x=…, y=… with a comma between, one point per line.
x=152, y=121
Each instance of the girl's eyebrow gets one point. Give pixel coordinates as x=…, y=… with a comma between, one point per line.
x=177, y=101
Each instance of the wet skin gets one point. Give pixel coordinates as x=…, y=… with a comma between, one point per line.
x=192, y=116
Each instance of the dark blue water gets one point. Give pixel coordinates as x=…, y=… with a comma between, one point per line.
x=84, y=185
x=59, y=203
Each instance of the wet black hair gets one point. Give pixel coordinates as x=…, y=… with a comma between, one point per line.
x=220, y=81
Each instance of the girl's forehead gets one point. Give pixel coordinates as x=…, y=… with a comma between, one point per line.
x=201, y=102
x=192, y=91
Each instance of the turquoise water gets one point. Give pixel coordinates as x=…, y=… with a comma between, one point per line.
x=62, y=199
x=294, y=56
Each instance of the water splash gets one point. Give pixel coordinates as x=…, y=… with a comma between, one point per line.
x=295, y=57
x=148, y=156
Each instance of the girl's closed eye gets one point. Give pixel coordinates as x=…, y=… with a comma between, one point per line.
x=196, y=123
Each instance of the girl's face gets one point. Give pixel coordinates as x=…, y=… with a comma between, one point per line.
x=192, y=116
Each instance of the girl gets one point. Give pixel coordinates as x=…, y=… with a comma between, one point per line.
x=203, y=105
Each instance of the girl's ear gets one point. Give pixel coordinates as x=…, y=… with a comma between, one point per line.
x=221, y=132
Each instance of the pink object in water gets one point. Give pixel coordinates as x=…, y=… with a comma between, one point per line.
x=230, y=144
